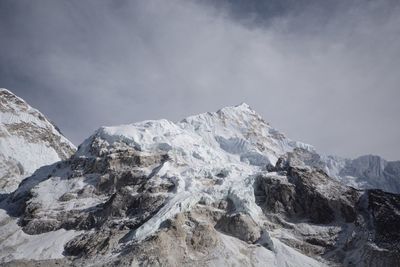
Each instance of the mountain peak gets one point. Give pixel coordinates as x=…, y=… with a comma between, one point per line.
x=28, y=141
x=8, y=100
x=8, y=95
x=5, y=90
x=241, y=108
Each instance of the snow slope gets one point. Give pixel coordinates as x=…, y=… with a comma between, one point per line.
x=15, y=244
x=27, y=141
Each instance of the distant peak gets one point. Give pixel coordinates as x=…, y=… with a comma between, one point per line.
x=9, y=93
x=242, y=107
x=4, y=90
x=10, y=97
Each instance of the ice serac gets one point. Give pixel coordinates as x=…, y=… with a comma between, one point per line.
x=216, y=189
x=27, y=141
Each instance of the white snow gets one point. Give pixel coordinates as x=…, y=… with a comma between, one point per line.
x=29, y=154
x=15, y=244
x=235, y=252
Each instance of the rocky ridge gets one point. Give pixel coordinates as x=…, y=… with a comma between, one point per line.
x=28, y=141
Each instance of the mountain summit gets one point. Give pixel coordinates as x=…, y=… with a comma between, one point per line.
x=216, y=189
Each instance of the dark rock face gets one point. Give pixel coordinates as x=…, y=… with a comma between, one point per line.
x=323, y=209
x=241, y=226
x=309, y=202
x=116, y=177
x=90, y=244
x=298, y=197
x=385, y=210
x=375, y=239
x=188, y=235
x=275, y=195
x=369, y=221
x=122, y=204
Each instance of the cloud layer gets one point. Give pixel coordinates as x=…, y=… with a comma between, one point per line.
x=327, y=74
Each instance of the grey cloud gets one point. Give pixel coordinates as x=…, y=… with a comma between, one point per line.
x=327, y=74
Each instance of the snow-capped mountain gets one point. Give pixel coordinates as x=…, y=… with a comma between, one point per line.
x=28, y=141
x=365, y=172
x=372, y=171
x=215, y=189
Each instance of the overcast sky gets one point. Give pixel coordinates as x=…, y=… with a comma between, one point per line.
x=323, y=72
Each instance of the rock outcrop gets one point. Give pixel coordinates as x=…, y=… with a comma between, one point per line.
x=350, y=227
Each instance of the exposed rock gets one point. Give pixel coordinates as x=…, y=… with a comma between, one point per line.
x=93, y=243
x=117, y=179
x=385, y=211
x=368, y=233
x=301, y=193
x=241, y=226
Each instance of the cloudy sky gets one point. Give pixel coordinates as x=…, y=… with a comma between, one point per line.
x=324, y=72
